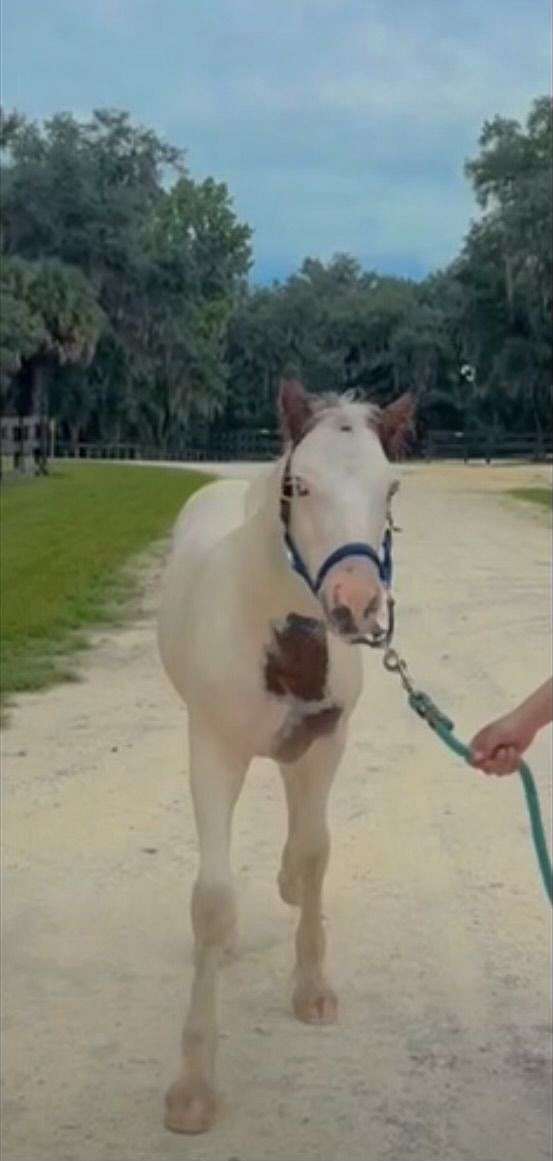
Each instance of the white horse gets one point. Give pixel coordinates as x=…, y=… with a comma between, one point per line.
x=267, y=587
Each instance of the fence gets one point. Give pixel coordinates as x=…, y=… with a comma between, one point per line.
x=232, y=445
x=266, y=445
x=25, y=443
x=486, y=445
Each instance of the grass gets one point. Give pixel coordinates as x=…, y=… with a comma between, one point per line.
x=65, y=542
x=542, y=496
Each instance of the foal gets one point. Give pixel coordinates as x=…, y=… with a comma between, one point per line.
x=267, y=588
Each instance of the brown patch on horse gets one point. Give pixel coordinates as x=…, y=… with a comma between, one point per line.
x=297, y=662
x=296, y=665
x=298, y=739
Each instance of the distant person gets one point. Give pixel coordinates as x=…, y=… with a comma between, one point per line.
x=498, y=748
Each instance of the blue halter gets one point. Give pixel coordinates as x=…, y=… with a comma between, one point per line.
x=382, y=562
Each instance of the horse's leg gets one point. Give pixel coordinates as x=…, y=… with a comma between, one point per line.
x=216, y=780
x=304, y=863
x=289, y=876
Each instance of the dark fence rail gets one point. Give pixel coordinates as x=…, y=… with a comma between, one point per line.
x=235, y=445
x=251, y=445
x=488, y=446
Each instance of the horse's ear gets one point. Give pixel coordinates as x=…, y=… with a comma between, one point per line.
x=295, y=406
x=396, y=425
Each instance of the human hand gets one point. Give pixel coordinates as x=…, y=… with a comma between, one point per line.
x=498, y=748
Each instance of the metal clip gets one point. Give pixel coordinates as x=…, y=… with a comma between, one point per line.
x=395, y=664
x=418, y=700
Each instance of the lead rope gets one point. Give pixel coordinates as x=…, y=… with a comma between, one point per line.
x=427, y=709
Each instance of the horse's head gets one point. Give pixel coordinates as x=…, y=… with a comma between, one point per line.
x=337, y=488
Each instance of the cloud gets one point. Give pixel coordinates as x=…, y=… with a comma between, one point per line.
x=337, y=124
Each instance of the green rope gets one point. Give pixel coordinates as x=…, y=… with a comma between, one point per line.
x=443, y=727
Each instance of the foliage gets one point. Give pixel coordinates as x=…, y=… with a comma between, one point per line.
x=22, y=330
x=168, y=337
x=161, y=259
x=506, y=267
x=473, y=341
x=50, y=318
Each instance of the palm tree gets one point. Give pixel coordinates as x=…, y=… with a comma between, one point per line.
x=68, y=321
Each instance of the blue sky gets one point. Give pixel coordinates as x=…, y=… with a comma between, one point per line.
x=338, y=125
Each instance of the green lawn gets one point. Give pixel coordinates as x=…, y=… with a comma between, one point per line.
x=65, y=541
x=543, y=496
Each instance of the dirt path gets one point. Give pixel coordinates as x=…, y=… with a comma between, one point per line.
x=439, y=929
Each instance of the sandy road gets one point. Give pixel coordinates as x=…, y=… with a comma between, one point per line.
x=439, y=930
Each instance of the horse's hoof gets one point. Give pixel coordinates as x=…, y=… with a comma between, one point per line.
x=189, y=1107
x=290, y=889
x=315, y=1004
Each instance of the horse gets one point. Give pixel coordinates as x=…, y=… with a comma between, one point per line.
x=267, y=589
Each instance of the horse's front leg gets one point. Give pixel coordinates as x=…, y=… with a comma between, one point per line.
x=216, y=780
x=305, y=859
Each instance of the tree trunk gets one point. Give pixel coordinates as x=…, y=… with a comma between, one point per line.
x=39, y=407
x=509, y=282
x=74, y=434
x=536, y=410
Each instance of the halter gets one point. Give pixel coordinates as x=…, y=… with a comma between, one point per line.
x=382, y=561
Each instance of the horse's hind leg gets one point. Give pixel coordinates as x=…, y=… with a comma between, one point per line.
x=216, y=781
x=305, y=858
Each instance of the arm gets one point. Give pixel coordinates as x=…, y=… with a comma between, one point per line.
x=498, y=748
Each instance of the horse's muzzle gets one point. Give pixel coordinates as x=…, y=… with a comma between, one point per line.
x=352, y=600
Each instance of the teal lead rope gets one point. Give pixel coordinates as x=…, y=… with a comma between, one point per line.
x=423, y=705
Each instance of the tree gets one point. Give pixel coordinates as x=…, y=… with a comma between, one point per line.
x=506, y=265
x=22, y=330
x=197, y=253
x=59, y=324
x=334, y=322
x=163, y=261
x=183, y=341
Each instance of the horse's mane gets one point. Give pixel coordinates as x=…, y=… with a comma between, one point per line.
x=349, y=405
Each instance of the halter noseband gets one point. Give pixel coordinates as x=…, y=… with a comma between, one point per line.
x=382, y=561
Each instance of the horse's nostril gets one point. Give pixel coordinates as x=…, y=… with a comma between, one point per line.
x=372, y=606
x=343, y=619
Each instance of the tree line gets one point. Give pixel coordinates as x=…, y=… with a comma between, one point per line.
x=127, y=312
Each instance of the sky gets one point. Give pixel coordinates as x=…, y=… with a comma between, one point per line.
x=338, y=125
